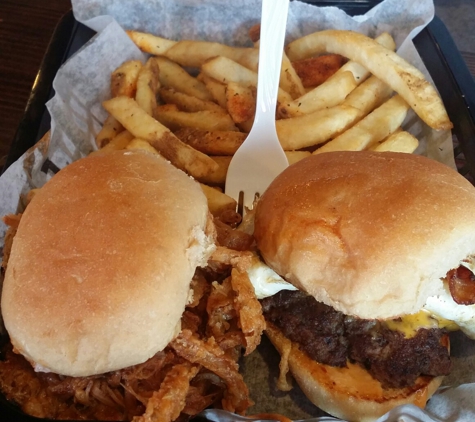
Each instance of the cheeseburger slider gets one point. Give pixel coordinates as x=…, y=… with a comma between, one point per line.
x=378, y=247
x=104, y=299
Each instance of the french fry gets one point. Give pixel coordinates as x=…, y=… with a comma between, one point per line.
x=289, y=79
x=359, y=71
x=124, y=79
x=240, y=102
x=162, y=108
x=212, y=142
x=374, y=127
x=294, y=156
x=255, y=32
x=217, y=200
x=216, y=89
x=172, y=75
x=203, y=120
x=143, y=126
x=110, y=128
x=218, y=177
x=147, y=85
x=226, y=70
x=196, y=53
x=186, y=102
x=368, y=95
x=118, y=142
x=326, y=95
x=316, y=70
x=315, y=128
x=150, y=43
x=138, y=143
x=123, y=82
x=383, y=63
x=400, y=141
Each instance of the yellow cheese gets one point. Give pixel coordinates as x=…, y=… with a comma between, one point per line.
x=409, y=324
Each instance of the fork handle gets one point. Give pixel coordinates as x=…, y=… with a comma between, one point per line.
x=271, y=42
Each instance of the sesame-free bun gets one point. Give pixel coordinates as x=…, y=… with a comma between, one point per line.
x=349, y=393
x=368, y=233
x=100, y=267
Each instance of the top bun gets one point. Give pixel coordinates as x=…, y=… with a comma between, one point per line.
x=100, y=268
x=368, y=233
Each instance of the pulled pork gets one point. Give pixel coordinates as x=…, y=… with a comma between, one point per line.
x=197, y=370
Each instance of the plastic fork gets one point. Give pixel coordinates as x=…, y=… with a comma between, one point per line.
x=261, y=158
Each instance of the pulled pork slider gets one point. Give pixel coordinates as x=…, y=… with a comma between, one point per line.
x=366, y=238
x=101, y=264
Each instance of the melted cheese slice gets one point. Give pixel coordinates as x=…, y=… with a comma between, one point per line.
x=409, y=324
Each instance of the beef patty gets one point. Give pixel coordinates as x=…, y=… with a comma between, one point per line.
x=332, y=338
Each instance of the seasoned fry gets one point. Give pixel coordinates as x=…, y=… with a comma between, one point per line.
x=119, y=142
x=124, y=79
x=110, y=128
x=289, y=79
x=255, y=32
x=216, y=89
x=147, y=85
x=166, y=404
x=327, y=95
x=294, y=156
x=186, y=102
x=371, y=129
x=240, y=102
x=249, y=310
x=138, y=143
x=208, y=354
x=143, y=126
x=218, y=201
x=315, y=128
x=172, y=75
x=316, y=70
x=212, y=142
x=203, y=120
x=226, y=70
x=218, y=177
x=368, y=95
x=401, y=76
x=400, y=141
x=359, y=71
x=162, y=108
x=150, y=43
x=196, y=53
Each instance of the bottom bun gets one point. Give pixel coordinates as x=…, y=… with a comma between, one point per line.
x=349, y=393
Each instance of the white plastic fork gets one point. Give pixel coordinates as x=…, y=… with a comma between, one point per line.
x=261, y=158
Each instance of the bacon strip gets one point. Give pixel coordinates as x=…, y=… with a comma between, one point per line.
x=462, y=285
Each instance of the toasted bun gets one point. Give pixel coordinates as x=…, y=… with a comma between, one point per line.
x=100, y=268
x=348, y=393
x=368, y=233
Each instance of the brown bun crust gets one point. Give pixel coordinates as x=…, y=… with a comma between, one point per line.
x=348, y=393
x=368, y=233
x=100, y=268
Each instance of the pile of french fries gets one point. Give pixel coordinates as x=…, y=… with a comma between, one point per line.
x=193, y=102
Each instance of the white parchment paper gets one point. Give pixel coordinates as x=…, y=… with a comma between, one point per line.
x=82, y=84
